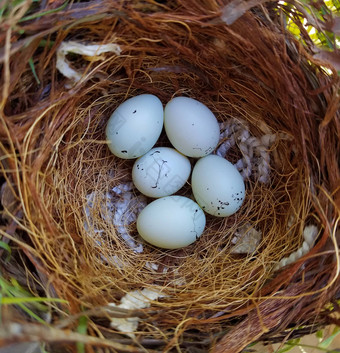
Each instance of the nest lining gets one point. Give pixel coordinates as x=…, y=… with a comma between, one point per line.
x=56, y=143
x=121, y=206
x=200, y=268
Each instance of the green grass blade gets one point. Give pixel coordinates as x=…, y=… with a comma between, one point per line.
x=6, y=247
x=31, y=63
x=48, y=12
x=32, y=314
x=22, y=300
x=82, y=328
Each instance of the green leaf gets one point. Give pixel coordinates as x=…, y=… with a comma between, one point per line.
x=290, y=345
x=294, y=29
x=326, y=343
x=285, y=349
x=319, y=334
x=336, y=329
x=295, y=341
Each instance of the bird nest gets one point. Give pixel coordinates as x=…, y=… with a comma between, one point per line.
x=69, y=207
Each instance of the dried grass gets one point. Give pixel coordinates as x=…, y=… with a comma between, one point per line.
x=53, y=154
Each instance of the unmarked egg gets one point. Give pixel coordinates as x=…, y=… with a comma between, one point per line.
x=135, y=126
x=160, y=172
x=218, y=186
x=191, y=127
x=171, y=222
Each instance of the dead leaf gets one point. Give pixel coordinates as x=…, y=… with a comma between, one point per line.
x=329, y=57
x=333, y=25
x=336, y=26
x=89, y=50
x=237, y=8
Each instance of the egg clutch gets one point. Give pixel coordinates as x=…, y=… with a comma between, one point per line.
x=173, y=222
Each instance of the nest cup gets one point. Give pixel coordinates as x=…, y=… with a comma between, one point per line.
x=280, y=108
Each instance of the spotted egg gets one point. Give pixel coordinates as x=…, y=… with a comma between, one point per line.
x=217, y=185
x=161, y=172
x=135, y=126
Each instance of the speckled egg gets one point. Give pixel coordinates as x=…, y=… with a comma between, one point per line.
x=217, y=185
x=161, y=172
x=135, y=126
